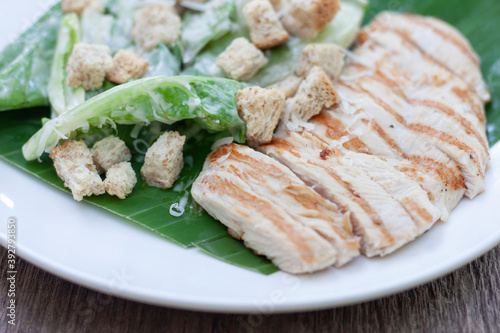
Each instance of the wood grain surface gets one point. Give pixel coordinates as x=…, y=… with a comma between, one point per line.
x=467, y=300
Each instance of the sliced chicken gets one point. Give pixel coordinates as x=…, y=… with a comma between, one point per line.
x=443, y=184
x=440, y=41
x=401, y=207
x=402, y=65
x=272, y=182
x=430, y=112
x=399, y=149
x=431, y=140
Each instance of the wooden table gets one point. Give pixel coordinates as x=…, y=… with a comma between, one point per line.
x=467, y=300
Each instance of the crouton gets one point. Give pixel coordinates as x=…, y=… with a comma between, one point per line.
x=260, y=109
x=163, y=162
x=278, y=5
x=241, y=60
x=78, y=6
x=305, y=18
x=74, y=165
x=330, y=57
x=109, y=151
x=156, y=24
x=265, y=29
x=87, y=65
x=120, y=180
x=127, y=65
x=315, y=93
x=288, y=85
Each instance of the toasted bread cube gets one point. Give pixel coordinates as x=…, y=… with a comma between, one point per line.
x=265, y=29
x=260, y=109
x=156, y=24
x=288, y=85
x=315, y=93
x=109, y=151
x=163, y=162
x=278, y=5
x=120, y=180
x=330, y=57
x=74, y=165
x=127, y=65
x=241, y=60
x=87, y=65
x=305, y=18
x=78, y=6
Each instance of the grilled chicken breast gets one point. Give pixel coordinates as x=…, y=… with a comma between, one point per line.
x=441, y=42
x=390, y=205
x=397, y=152
x=319, y=233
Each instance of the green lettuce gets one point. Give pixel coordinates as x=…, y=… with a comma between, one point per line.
x=199, y=29
x=211, y=102
x=62, y=97
x=25, y=64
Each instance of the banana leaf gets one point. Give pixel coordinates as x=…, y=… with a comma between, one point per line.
x=150, y=207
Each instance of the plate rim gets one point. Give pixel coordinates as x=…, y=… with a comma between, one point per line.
x=242, y=306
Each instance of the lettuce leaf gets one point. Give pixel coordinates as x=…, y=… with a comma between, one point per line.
x=25, y=64
x=211, y=102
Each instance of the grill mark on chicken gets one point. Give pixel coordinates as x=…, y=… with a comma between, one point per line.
x=336, y=130
x=451, y=140
x=295, y=236
x=464, y=96
x=276, y=183
x=412, y=207
x=474, y=84
x=408, y=42
x=464, y=123
x=410, y=170
x=283, y=144
x=446, y=174
x=370, y=165
x=420, y=128
x=458, y=118
x=312, y=204
x=280, y=143
x=364, y=205
x=448, y=37
x=216, y=183
x=467, y=126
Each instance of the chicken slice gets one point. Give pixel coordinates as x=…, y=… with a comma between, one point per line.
x=273, y=182
x=397, y=184
x=442, y=42
x=355, y=130
x=320, y=168
x=389, y=111
x=400, y=63
x=281, y=186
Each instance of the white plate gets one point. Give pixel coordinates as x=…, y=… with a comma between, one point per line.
x=86, y=245
x=91, y=247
